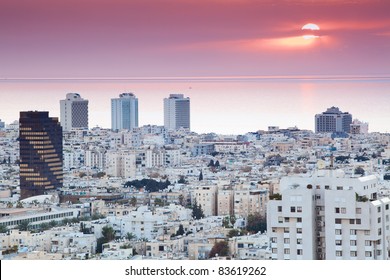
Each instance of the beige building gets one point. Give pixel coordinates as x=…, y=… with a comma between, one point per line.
x=250, y=201
x=206, y=196
x=225, y=202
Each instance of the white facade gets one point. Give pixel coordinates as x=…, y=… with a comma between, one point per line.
x=74, y=112
x=121, y=164
x=176, y=112
x=329, y=216
x=124, y=112
x=206, y=197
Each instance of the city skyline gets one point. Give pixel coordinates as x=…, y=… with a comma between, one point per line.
x=244, y=104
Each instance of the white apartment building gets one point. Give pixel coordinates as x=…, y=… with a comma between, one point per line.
x=121, y=164
x=74, y=112
x=329, y=216
x=206, y=196
x=95, y=158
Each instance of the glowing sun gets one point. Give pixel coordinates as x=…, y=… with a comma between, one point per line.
x=313, y=28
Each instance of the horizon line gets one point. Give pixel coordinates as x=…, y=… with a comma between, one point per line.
x=206, y=78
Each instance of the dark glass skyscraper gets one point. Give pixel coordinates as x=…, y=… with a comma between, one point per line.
x=41, y=156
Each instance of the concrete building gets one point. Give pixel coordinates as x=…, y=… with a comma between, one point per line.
x=333, y=120
x=41, y=154
x=250, y=201
x=121, y=164
x=358, y=127
x=124, y=112
x=225, y=202
x=329, y=216
x=176, y=112
x=206, y=197
x=74, y=112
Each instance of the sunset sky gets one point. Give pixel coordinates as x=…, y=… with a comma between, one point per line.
x=224, y=43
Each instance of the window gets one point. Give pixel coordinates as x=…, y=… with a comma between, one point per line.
x=337, y=210
x=274, y=229
x=274, y=251
x=367, y=243
x=299, y=241
x=279, y=208
x=337, y=221
x=387, y=207
x=379, y=209
x=378, y=252
x=299, y=209
x=353, y=242
x=343, y=210
x=280, y=220
x=286, y=220
x=353, y=232
x=379, y=231
x=338, y=242
x=366, y=232
x=286, y=230
x=299, y=252
x=299, y=220
x=379, y=220
x=292, y=209
x=358, y=210
x=299, y=230
x=326, y=187
x=339, y=253
x=353, y=254
x=351, y=221
x=368, y=254
x=338, y=231
x=287, y=241
x=274, y=239
x=358, y=221
x=339, y=188
x=287, y=251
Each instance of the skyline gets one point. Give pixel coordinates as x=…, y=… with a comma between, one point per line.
x=243, y=105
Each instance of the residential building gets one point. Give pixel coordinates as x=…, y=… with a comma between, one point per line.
x=176, y=112
x=206, y=197
x=124, y=112
x=41, y=156
x=329, y=216
x=74, y=112
x=358, y=127
x=333, y=120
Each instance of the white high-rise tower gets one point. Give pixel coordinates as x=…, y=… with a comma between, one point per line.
x=176, y=112
x=74, y=112
x=124, y=112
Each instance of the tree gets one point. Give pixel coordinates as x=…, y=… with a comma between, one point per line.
x=100, y=175
x=256, y=223
x=181, y=199
x=233, y=233
x=19, y=205
x=197, y=212
x=133, y=201
x=82, y=174
x=180, y=231
x=211, y=163
x=130, y=236
x=226, y=222
x=275, y=196
x=158, y=202
x=359, y=171
x=3, y=229
x=201, y=176
x=24, y=226
x=217, y=165
x=182, y=180
x=220, y=248
x=108, y=233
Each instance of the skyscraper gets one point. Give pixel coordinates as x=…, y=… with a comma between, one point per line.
x=176, y=112
x=74, y=112
x=41, y=156
x=333, y=120
x=124, y=112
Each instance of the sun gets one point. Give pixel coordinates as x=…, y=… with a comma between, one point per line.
x=313, y=28
x=310, y=26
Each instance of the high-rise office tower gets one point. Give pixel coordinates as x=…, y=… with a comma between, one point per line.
x=41, y=156
x=333, y=120
x=176, y=112
x=74, y=112
x=2, y=124
x=124, y=112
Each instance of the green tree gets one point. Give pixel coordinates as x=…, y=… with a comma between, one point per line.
x=24, y=226
x=182, y=180
x=181, y=199
x=221, y=248
x=180, y=231
x=3, y=229
x=197, y=212
x=256, y=223
x=201, y=176
x=130, y=236
x=100, y=175
x=233, y=233
x=133, y=201
x=359, y=170
x=108, y=233
x=19, y=205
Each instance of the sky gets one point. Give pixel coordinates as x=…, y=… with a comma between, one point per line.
x=239, y=61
